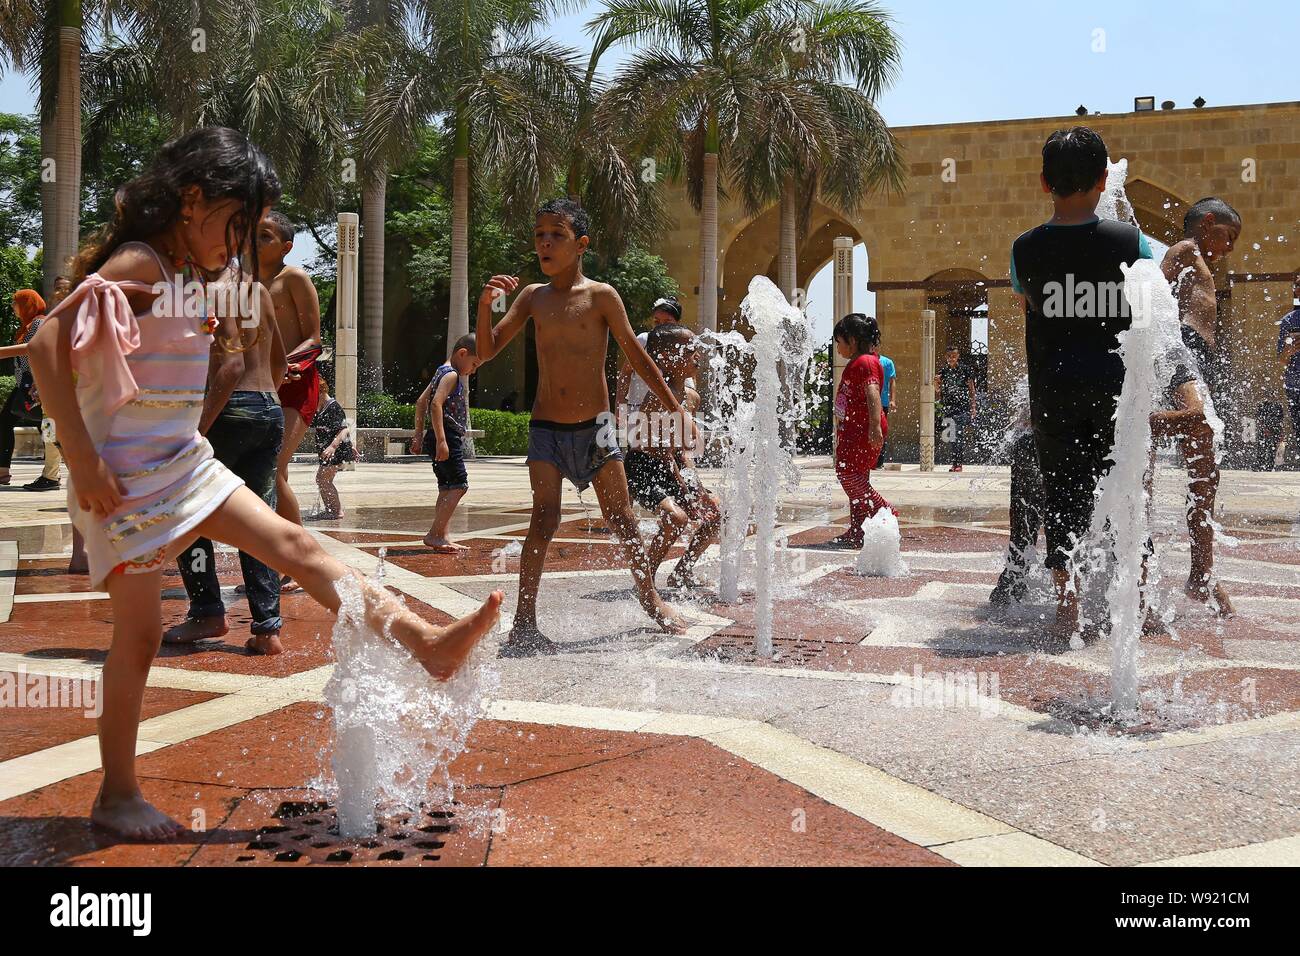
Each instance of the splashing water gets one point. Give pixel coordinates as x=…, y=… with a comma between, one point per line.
x=1152, y=348
x=880, y=555
x=758, y=464
x=396, y=729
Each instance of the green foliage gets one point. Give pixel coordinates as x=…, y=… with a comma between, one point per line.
x=640, y=278
x=504, y=433
x=6, y=386
x=16, y=272
x=376, y=410
x=20, y=180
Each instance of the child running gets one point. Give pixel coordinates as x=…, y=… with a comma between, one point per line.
x=334, y=439
x=860, y=422
x=143, y=483
x=1211, y=228
x=573, y=318
x=445, y=400
x=661, y=474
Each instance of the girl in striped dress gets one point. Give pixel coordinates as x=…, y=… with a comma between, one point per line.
x=122, y=366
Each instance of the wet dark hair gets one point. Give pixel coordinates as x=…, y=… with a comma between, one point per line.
x=468, y=341
x=283, y=225
x=221, y=162
x=668, y=341
x=669, y=306
x=953, y=348
x=1073, y=160
x=1209, y=206
x=578, y=219
x=860, y=329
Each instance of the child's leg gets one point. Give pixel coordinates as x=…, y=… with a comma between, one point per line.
x=704, y=535
x=1198, y=449
x=79, y=564
x=616, y=506
x=329, y=495
x=672, y=519
x=525, y=637
x=246, y=523
x=286, y=502
x=137, y=630
x=437, y=539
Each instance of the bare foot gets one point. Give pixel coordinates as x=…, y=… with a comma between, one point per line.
x=440, y=545
x=669, y=621
x=1215, y=596
x=264, y=644
x=323, y=516
x=288, y=585
x=447, y=648
x=194, y=629
x=526, y=640
x=134, y=818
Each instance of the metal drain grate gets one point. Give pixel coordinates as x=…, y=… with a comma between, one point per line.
x=309, y=832
x=739, y=649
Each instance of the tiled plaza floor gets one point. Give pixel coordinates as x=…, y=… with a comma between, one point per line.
x=900, y=722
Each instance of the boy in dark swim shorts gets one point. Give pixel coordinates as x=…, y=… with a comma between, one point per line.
x=573, y=318
x=660, y=466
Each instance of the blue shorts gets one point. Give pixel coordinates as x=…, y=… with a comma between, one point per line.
x=451, y=473
x=578, y=450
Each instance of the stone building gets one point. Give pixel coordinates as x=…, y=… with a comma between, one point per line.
x=973, y=187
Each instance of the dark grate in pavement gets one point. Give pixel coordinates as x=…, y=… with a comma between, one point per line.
x=739, y=649
x=307, y=833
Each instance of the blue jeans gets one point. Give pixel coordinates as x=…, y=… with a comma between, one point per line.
x=246, y=438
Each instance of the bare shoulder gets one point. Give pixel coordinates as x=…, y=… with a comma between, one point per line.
x=1184, y=252
x=132, y=262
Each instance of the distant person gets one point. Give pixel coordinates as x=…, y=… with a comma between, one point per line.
x=860, y=423
x=886, y=395
x=631, y=388
x=1210, y=228
x=1075, y=374
x=334, y=441
x=1288, y=351
x=445, y=401
x=21, y=410
x=954, y=386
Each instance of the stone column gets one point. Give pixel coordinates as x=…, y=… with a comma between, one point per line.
x=926, y=386
x=842, y=298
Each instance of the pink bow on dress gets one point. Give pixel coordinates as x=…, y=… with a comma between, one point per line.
x=105, y=327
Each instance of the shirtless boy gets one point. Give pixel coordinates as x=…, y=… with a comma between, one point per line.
x=297, y=315
x=1211, y=228
x=242, y=420
x=573, y=318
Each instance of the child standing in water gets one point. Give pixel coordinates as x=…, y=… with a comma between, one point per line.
x=445, y=401
x=573, y=318
x=143, y=483
x=859, y=421
x=334, y=439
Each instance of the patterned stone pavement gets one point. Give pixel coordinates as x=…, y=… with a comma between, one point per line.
x=900, y=721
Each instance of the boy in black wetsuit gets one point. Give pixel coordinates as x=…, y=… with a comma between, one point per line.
x=1067, y=273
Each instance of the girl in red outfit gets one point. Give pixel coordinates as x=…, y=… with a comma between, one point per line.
x=860, y=421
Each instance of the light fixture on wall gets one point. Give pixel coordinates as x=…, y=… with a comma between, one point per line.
x=1081, y=111
x=1144, y=104
x=1199, y=102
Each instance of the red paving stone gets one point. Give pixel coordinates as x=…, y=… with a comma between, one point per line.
x=367, y=537
x=568, y=796
x=481, y=558
x=30, y=728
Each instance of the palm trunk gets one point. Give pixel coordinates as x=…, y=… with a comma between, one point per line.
x=709, y=245
x=49, y=206
x=787, y=268
x=373, y=197
x=67, y=138
x=458, y=316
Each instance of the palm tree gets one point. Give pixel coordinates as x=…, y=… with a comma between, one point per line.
x=813, y=134
x=700, y=72
x=505, y=95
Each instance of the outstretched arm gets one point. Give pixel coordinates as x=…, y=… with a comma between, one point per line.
x=492, y=340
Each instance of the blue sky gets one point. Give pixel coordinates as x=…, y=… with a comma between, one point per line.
x=1009, y=59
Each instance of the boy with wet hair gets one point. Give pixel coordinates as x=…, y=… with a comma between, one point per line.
x=1075, y=375
x=660, y=461
x=570, y=435
x=446, y=403
x=1211, y=228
